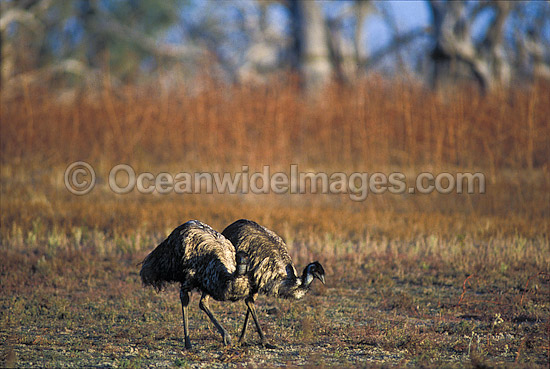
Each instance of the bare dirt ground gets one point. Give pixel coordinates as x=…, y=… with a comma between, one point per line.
x=97, y=314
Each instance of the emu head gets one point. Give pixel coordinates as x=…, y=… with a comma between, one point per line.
x=242, y=262
x=314, y=270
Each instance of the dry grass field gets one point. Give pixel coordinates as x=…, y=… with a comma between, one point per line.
x=412, y=280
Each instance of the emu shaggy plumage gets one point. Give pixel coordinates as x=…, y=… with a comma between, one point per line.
x=199, y=258
x=270, y=267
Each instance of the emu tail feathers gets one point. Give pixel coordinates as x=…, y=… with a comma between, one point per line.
x=161, y=267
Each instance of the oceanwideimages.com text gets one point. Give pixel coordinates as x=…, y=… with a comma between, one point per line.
x=123, y=179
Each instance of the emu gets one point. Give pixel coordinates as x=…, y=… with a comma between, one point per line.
x=199, y=258
x=270, y=268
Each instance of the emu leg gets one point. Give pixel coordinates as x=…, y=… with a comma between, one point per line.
x=203, y=305
x=184, y=297
x=243, y=332
x=249, y=301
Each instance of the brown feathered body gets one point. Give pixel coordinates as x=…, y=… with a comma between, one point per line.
x=270, y=267
x=199, y=258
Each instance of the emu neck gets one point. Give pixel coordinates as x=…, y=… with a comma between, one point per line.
x=307, y=278
x=241, y=270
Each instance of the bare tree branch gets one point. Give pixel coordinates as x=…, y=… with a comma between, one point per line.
x=105, y=24
x=398, y=42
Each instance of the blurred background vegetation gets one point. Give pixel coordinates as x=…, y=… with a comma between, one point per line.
x=329, y=85
x=494, y=43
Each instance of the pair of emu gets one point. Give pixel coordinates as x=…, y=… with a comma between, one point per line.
x=242, y=261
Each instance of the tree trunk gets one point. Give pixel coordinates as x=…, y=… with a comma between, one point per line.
x=312, y=56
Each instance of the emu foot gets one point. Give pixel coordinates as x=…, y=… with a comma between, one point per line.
x=226, y=339
x=188, y=345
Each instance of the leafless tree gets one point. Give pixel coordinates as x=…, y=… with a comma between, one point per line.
x=488, y=41
x=310, y=43
x=487, y=57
